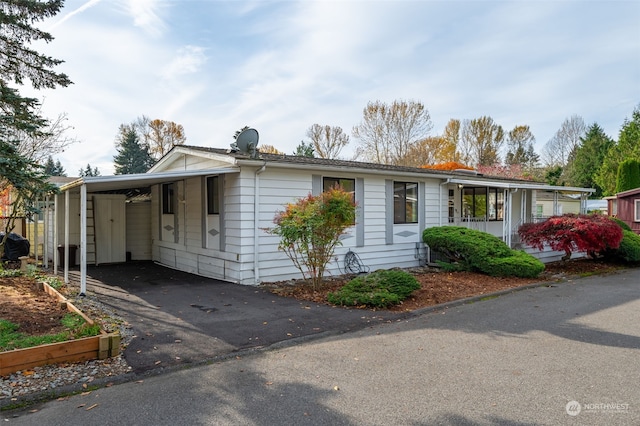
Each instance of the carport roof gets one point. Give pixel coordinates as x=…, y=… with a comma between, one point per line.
x=120, y=182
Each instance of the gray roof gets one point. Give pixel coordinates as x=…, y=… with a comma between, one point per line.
x=294, y=159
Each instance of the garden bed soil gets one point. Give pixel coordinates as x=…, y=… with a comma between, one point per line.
x=35, y=311
x=438, y=286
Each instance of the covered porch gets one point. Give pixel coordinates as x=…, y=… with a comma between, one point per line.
x=500, y=208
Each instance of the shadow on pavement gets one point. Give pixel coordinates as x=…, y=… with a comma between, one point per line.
x=180, y=318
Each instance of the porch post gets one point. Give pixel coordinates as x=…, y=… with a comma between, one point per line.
x=555, y=203
x=83, y=239
x=66, y=237
x=523, y=207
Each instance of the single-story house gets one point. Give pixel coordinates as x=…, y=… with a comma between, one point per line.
x=626, y=207
x=205, y=211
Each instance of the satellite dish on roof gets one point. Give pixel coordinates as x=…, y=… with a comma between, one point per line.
x=247, y=142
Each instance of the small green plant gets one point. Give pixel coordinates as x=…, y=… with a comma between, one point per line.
x=54, y=282
x=380, y=289
x=310, y=230
x=10, y=273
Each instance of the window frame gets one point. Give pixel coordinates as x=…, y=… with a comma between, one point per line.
x=213, y=195
x=329, y=182
x=168, y=197
x=636, y=210
x=402, y=201
x=487, y=192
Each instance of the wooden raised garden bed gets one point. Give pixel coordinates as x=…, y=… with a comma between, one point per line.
x=102, y=346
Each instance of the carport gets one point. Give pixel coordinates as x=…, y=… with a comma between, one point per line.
x=105, y=184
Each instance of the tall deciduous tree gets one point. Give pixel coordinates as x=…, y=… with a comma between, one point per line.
x=627, y=147
x=163, y=135
x=133, y=155
x=328, y=141
x=387, y=132
x=451, y=135
x=270, y=149
x=587, y=158
x=430, y=150
x=53, y=138
x=557, y=150
x=520, y=149
x=481, y=141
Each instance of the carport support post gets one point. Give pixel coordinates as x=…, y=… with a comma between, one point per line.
x=83, y=239
x=66, y=237
x=35, y=234
x=45, y=226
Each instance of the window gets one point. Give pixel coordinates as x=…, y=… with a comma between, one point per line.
x=405, y=202
x=496, y=204
x=213, y=195
x=636, y=210
x=539, y=210
x=474, y=202
x=168, y=198
x=347, y=185
x=483, y=203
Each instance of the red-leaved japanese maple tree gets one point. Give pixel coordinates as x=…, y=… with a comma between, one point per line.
x=593, y=234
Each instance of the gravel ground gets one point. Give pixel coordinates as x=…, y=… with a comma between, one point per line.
x=62, y=378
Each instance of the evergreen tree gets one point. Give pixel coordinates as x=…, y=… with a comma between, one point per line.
x=628, y=175
x=304, y=150
x=89, y=172
x=132, y=157
x=627, y=147
x=54, y=169
x=19, y=115
x=587, y=158
x=552, y=175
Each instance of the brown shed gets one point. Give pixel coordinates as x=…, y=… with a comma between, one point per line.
x=626, y=207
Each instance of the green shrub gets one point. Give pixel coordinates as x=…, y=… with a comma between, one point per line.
x=629, y=249
x=622, y=224
x=379, y=289
x=478, y=251
x=519, y=264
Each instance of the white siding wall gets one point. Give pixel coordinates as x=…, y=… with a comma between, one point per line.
x=139, y=230
x=234, y=260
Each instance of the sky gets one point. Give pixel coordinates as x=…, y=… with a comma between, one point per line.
x=282, y=66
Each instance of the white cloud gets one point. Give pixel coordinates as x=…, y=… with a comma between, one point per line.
x=189, y=60
x=145, y=14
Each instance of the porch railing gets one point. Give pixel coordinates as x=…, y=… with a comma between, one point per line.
x=477, y=223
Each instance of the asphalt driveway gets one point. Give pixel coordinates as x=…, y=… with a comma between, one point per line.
x=180, y=318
